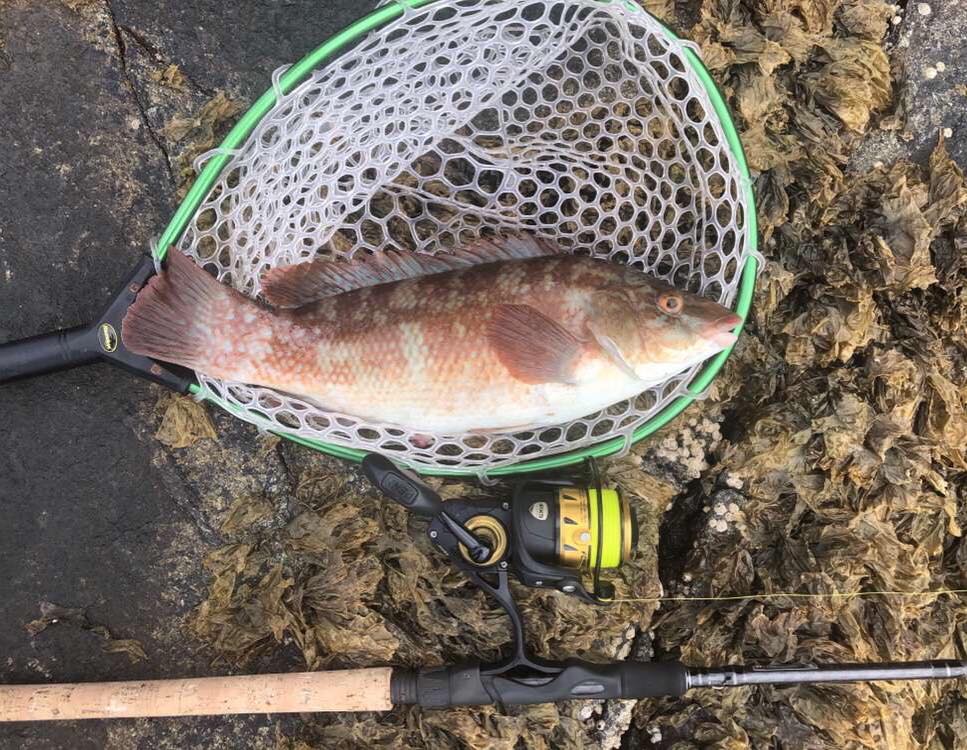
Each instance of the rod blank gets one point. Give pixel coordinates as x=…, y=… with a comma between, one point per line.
x=813, y=674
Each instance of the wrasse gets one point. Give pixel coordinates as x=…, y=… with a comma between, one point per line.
x=499, y=336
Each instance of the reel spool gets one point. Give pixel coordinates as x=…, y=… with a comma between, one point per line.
x=563, y=526
x=579, y=529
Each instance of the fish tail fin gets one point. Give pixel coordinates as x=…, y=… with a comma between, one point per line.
x=180, y=315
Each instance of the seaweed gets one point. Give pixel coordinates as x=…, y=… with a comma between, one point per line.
x=53, y=614
x=828, y=460
x=846, y=467
x=184, y=421
x=191, y=136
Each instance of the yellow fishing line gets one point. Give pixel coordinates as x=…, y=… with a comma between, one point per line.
x=790, y=595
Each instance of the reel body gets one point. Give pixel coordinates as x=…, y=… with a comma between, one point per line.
x=550, y=535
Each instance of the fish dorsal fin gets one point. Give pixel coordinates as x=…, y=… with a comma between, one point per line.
x=532, y=347
x=303, y=283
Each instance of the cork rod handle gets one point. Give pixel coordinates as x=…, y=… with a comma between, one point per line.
x=344, y=690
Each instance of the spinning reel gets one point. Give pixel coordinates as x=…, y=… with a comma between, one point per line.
x=551, y=534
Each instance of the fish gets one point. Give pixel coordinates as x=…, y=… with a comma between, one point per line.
x=501, y=335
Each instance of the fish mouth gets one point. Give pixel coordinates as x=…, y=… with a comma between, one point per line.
x=720, y=331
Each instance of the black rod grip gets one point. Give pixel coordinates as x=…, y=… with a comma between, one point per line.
x=653, y=679
x=48, y=352
x=580, y=679
x=473, y=685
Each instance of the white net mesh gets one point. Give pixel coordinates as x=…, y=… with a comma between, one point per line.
x=580, y=121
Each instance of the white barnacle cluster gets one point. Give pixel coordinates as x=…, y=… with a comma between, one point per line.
x=688, y=449
x=723, y=516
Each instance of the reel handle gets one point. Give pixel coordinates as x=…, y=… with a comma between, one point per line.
x=416, y=497
x=400, y=487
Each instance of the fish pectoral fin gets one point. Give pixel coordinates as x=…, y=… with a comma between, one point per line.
x=611, y=348
x=533, y=348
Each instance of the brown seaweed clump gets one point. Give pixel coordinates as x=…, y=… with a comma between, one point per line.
x=839, y=471
x=844, y=409
x=184, y=421
x=351, y=580
x=849, y=469
x=190, y=137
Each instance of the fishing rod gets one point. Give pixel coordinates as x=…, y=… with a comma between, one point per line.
x=550, y=534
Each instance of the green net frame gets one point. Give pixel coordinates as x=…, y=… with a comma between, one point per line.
x=345, y=39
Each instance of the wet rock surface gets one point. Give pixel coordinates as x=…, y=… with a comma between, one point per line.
x=103, y=508
x=95, y=512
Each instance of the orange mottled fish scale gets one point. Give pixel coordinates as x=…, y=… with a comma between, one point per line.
x=507, y=344
x=417, y=349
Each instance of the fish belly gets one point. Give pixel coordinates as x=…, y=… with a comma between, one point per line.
x=437, y=382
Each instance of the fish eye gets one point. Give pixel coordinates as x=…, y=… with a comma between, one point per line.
x=670, y=303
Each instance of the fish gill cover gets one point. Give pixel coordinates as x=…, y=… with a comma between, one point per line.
x=841, y=469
